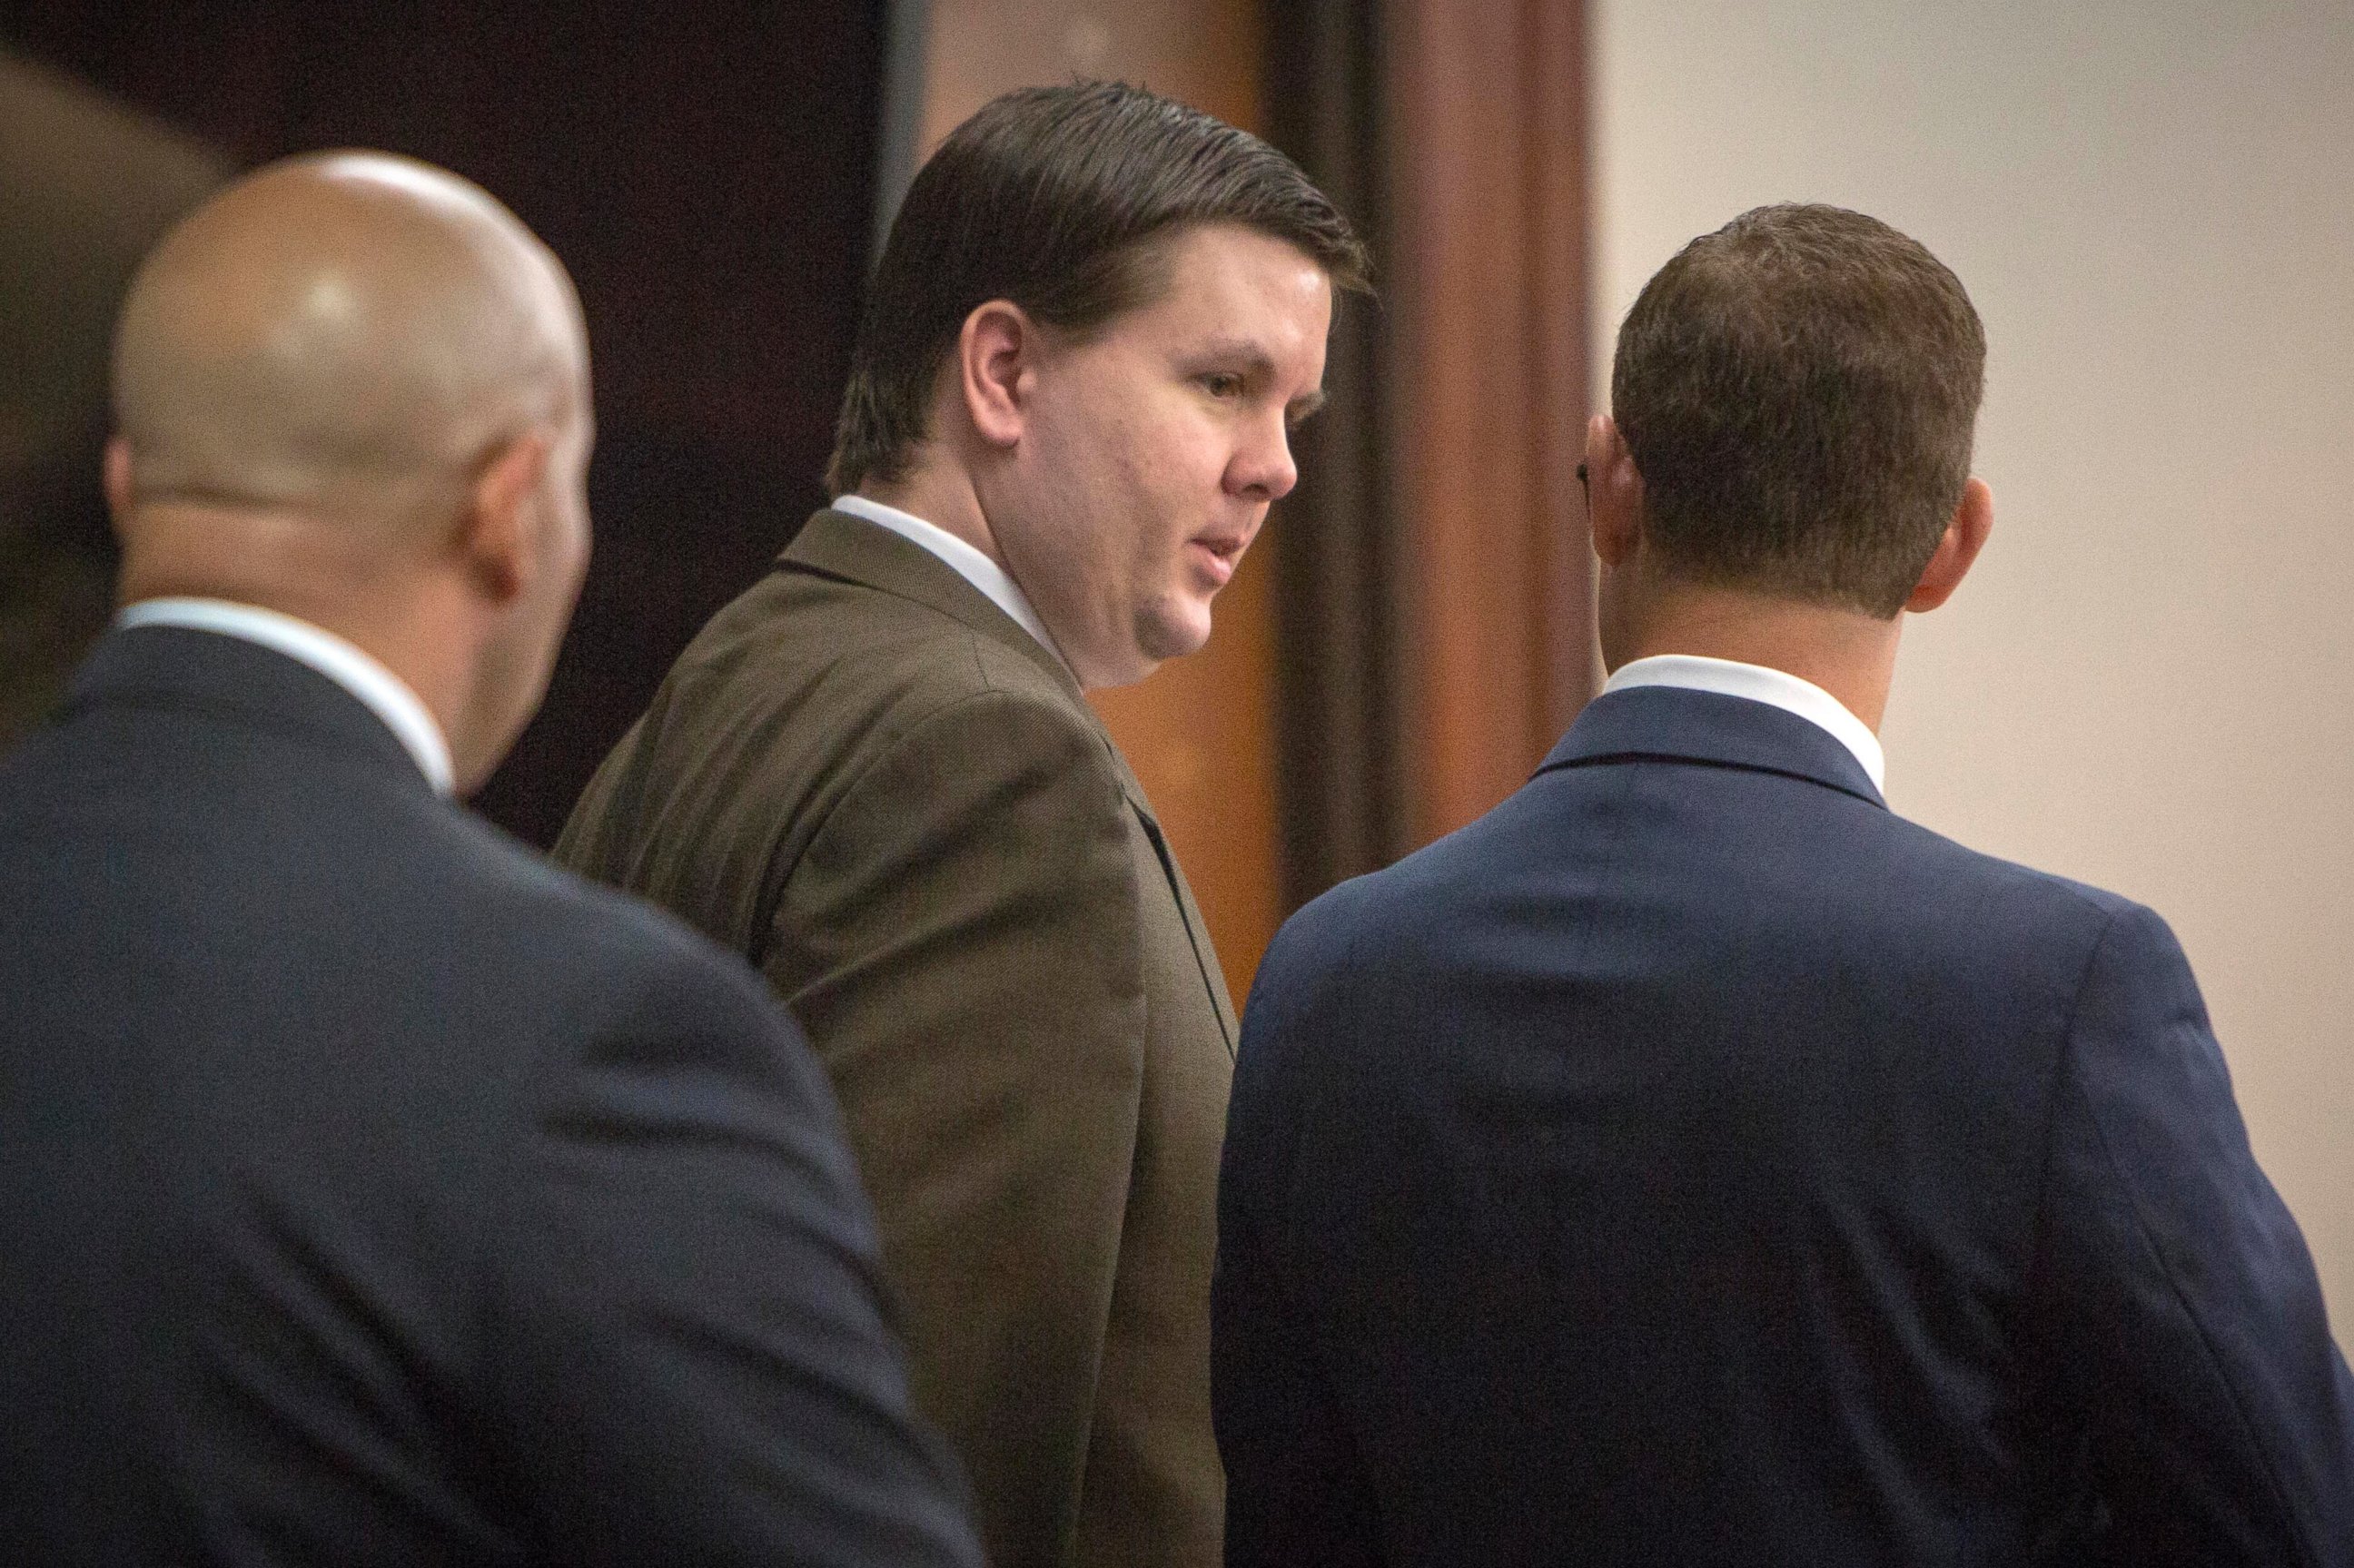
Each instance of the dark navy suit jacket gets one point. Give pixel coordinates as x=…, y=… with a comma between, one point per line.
x=1692, y=1162
x=371, y=1193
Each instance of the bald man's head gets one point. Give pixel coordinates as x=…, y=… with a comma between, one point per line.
x=354, y=387
x=345, y=334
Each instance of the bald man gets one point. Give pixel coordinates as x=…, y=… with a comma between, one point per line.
x=372, y=1192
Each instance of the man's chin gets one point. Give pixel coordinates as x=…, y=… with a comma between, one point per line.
x=1162, y=634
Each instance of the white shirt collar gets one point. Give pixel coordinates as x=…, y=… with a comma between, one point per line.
x=1759, y=684
x=383, y=693
x=969, y=563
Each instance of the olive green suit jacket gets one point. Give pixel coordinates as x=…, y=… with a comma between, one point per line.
x=875, y=784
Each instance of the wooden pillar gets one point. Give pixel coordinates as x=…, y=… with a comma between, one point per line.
x=1486, y=374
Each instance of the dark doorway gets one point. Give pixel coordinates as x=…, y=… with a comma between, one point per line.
x=707, y=172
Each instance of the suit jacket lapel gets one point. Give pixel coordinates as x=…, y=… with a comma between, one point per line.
x=1213, y=976
x=1672, y=723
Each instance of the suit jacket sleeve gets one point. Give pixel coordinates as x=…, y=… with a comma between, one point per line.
x=961, y=937
x=2192, y=1340
x=688, y=1319
x=1296, y=1492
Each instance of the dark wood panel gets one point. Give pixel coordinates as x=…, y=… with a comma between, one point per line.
x=86, y=185
x=1335, y=538
x=707, y=174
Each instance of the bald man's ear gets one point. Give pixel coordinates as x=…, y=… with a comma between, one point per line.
x=499, y=533
x=997, y=355
x=1965, y=537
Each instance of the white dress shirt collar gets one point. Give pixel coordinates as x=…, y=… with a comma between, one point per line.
x=1759, y=684
x=383, y=693
x=969, y=563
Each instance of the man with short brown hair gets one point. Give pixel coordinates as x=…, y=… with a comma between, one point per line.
x=1098, y=315
x=1692, y=1162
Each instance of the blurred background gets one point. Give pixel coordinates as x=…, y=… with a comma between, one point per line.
x=2147, y=684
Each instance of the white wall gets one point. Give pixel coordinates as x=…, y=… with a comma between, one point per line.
x=2148, y=683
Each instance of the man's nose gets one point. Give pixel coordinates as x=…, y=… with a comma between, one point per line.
x=1263, y=469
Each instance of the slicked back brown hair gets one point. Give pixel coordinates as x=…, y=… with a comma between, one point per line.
x=1053, y=199
x=1798, y=391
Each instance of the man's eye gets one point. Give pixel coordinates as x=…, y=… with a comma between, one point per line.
x=1219, y=383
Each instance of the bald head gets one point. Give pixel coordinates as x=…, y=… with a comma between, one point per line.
x=353, y=389
x=345, y=334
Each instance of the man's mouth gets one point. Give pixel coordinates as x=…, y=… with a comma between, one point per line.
x=1215, y=555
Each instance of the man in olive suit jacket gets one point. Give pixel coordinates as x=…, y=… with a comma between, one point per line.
x=874, y=775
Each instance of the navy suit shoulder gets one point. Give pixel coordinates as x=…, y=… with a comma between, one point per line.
x=1693, y=1162
x=378, y=1193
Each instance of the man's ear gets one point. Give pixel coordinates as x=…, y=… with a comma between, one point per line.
x=499, y=530
x=1966, y=535
x=1614, y=491
x=997, y=355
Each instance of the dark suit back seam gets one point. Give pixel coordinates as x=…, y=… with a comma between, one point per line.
x=2038, y=1224
x=2174, y=1289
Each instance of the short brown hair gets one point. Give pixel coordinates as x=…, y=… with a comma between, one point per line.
x=1050, y=197
x=1798, y=391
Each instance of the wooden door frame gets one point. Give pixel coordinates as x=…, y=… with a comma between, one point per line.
x=1436, y=592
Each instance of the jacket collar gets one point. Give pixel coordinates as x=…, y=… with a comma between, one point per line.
x=837, y=544
x=184, y=670
x=1668, y=722
x=854, y=550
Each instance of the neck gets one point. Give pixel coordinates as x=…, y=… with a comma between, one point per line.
x=942, y=496
x=399, y=614
x=1848, y=653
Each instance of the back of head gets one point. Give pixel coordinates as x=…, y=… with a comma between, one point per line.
x=353, y=387
x=1798, y=391
x=342, y=334
x=1051, y=198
